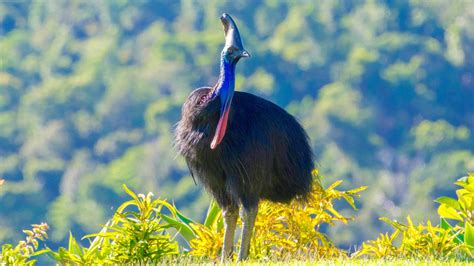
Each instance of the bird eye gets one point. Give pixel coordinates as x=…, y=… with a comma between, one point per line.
x=202, y=99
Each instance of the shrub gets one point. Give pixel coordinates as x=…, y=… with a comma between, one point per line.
x=427, y=241
x=135, y=235
x=414, y=241
x=460, y=210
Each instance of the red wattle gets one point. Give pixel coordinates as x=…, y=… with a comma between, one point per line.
x=220, y=130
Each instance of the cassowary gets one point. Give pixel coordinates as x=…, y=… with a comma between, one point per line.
x=241, y=147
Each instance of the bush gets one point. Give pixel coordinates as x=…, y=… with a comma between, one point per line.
x=460, y=210
x=135, y=235
x=415, y=241
x=442, y=241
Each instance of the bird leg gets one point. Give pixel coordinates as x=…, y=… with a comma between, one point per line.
x=248, y=220
x=230, y=215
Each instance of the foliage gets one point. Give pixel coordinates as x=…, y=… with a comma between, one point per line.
x=209, y=235
x=416, y=241
x=139, y=234
x=140, y=237
x=440, y=241
x=77, y=254
x=130, y=237
x=22, y=253
x=284, y=229
x=208, y=242
x=460, y=210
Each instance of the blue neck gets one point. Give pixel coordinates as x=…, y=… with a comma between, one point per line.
x=226, y=80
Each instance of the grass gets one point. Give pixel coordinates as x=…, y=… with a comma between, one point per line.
x=187, y=260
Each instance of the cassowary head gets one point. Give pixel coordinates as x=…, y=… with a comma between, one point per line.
x=233, y=49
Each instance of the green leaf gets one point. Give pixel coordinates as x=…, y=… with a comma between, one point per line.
x=349, y=200
x=125, y=205
x=220, y=224
x=357, y=190
x=334, y=185
x=185, y=230
x=74, y=246
x=39, y=252
x=450, y=202
x=100, y=234
x=54, y=255
x=212, y=214
x=130, y=192
x=183, y=218
x=445, y=225
x=394, y=224
x=469, y=234
x=459, y=239
x=63, y=253
x=448, y=212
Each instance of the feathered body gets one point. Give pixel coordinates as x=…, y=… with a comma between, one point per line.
x=264, y=154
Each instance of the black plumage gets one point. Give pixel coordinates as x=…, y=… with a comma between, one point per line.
x=241, y=147
x=264, y=154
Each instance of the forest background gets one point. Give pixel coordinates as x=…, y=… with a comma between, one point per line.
x=90, y=92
